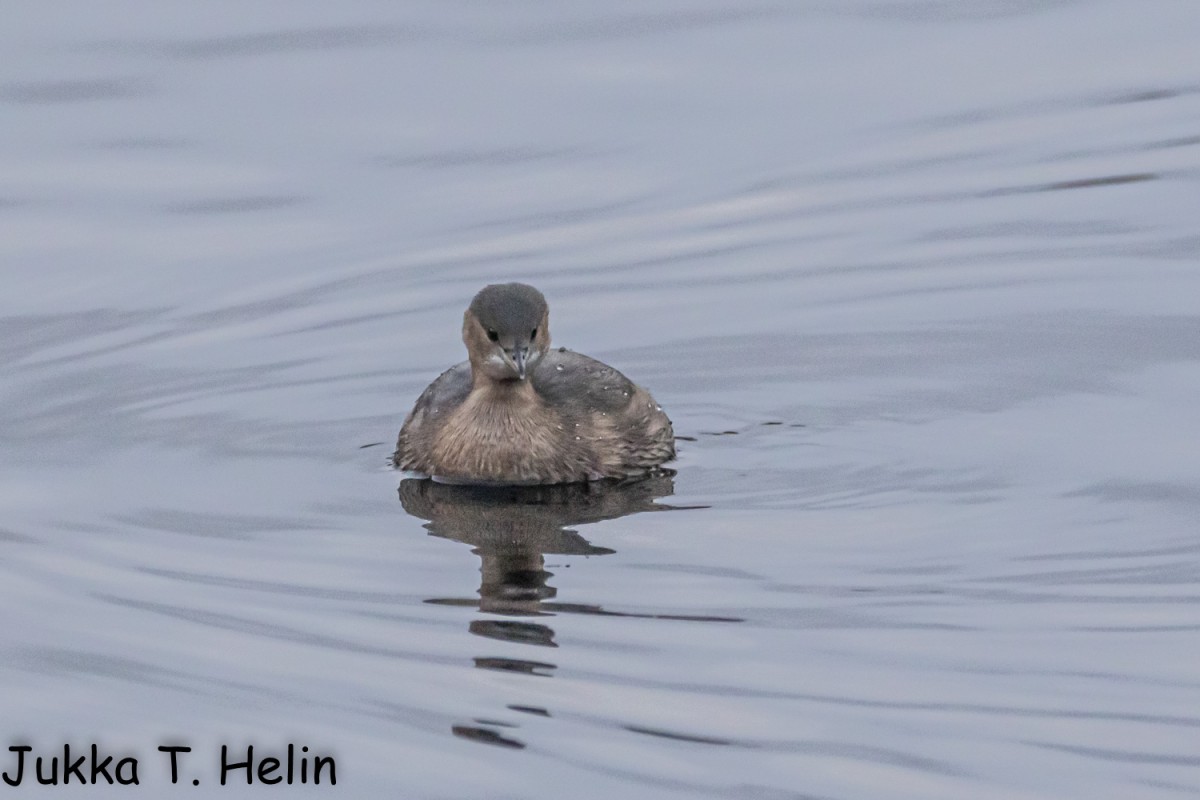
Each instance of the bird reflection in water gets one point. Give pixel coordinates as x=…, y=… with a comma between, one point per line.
x=512, y=529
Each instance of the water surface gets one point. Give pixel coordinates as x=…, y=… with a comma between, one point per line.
x=917, y=281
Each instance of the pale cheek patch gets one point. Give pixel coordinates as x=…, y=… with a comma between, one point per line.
x=495, y=366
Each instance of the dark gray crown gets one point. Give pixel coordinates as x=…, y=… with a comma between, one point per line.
x=509, y=308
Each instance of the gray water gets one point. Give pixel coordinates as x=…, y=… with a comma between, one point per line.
x=917, y=281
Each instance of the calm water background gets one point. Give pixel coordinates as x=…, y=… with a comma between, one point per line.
x=950, y=247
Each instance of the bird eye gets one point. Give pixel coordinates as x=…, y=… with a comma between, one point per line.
x=533, y=334
x=493, y=335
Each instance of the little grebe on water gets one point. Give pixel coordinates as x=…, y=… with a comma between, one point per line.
x=517, y=412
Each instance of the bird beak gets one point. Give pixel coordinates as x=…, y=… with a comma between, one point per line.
x=519, y=357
